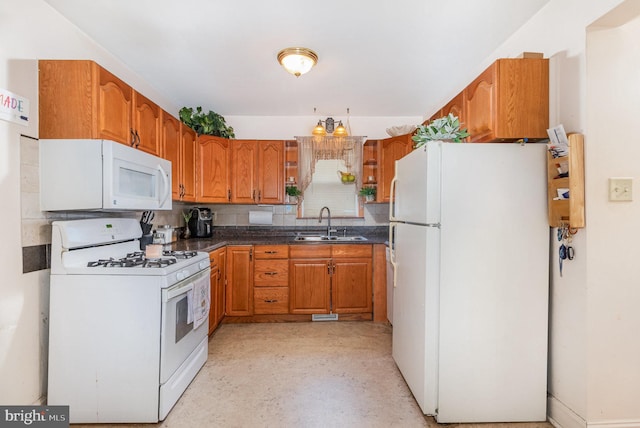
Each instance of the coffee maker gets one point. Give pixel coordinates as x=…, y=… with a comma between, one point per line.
x=201, y=223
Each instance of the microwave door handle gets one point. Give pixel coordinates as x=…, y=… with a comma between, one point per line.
x=167, y=189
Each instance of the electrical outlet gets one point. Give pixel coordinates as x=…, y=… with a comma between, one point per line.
x=620, y=189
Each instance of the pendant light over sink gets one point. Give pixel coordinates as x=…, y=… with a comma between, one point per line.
x=297, y=61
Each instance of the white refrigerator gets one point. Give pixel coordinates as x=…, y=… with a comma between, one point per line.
x=470, y=248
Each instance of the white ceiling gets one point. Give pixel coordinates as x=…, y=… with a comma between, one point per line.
x=377, y=58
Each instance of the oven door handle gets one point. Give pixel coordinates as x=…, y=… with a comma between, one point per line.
x=178, y=291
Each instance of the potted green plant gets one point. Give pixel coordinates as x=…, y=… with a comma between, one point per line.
x=443, y=128
x=210, y=123
x=292, y=194
x=368, y=192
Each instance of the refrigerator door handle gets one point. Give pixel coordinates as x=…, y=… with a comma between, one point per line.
x=392, y=198
x=392, y=252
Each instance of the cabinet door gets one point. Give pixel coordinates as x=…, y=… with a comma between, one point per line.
x=270, y=172
x=221, y=285
x=456, y=108
x=147, y=117
x=522, y=99
x=352, y=286
x=244, y=166
x=172, y=152
x=480, y=105
x=215, y=279
x=309, y=286
x=115, y=100
x=239, y=291
x=188, y=147
x=391, y=149
x=66, y=98
x=213, y=176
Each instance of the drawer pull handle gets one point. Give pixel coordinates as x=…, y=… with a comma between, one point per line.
x=271, y=301
x=271, y=273
x=271, y=252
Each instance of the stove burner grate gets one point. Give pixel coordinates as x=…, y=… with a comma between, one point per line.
x=138, y=259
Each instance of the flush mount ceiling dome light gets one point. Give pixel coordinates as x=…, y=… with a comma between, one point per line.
x=297, y=61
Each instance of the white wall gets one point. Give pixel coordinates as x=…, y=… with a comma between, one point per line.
x=613, y=278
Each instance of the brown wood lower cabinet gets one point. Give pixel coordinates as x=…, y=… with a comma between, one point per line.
x=239, y=289
x=217, y=259
x=331, y=278
x=271, y=279
x=290, y=282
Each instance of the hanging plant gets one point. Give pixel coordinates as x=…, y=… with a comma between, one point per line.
x=210, y=123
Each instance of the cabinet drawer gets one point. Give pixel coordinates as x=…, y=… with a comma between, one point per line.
x=352, y=250
x=214, y=256
x=270, y=273
x=271, y=251
x=271, y=300
x=310, y=251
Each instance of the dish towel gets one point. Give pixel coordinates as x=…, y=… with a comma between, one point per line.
x=198, y=301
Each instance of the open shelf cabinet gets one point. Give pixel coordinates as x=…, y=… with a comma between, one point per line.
x=567, y=211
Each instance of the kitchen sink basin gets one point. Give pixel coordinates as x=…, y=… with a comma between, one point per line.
x=316, y=238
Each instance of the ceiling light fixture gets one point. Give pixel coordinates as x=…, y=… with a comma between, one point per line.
x=297, y=61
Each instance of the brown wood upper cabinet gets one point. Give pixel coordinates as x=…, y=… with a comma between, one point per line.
x=213, y=162
x=179, y=147
x=391, y=149
x=508, y=101
x=80, y=99
x=379, y=157
x=258, y=172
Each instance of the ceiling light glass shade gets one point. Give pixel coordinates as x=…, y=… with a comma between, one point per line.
x=340, y=131
x=297, y=61
x=319, y=130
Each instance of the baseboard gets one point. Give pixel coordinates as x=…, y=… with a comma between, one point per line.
x=615, y=424
x=561, y=416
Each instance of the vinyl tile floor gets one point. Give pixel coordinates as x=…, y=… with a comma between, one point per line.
x=307, y=375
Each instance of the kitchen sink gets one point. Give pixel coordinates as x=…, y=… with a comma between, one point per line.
x=316, y=238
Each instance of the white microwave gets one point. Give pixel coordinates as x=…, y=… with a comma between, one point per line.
x=101, y=175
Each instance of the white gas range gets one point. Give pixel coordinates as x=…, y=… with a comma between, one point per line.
x=127, y=333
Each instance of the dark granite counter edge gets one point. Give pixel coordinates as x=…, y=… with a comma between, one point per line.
x=223, y=236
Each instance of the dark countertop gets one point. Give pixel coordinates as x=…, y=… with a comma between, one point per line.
x=272, y=236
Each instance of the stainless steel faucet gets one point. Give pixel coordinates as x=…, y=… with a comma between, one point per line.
x=329, y=230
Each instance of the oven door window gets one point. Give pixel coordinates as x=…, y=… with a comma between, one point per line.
x=183, y=326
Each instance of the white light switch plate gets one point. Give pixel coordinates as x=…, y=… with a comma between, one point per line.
x=620, y=189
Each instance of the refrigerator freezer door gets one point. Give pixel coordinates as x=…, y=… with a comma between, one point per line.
x=417, y=186
x=415, y=311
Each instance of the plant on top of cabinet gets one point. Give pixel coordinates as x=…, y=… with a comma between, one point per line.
x=443, y=128
x=210, y=123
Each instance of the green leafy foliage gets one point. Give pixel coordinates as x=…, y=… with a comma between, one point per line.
x=444, y=128
x=367, y=191
x=293, y=191
x=210, y=123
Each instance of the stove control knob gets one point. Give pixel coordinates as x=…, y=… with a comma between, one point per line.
x=203, y=265
x=182, y=275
